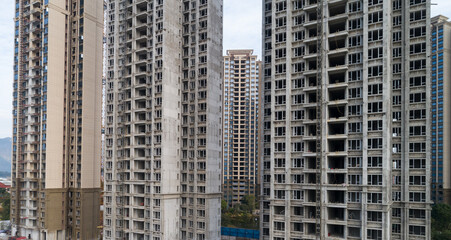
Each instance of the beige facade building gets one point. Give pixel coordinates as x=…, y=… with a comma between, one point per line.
x=240, y=125
x=163, y=120
x=346, y=120
x=441, y=109
x=57, y=119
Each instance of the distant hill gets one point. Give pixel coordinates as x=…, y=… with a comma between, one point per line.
x=5, y=154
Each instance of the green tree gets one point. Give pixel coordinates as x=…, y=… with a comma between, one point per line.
x=224, y=206
x=441, y=235
x=6, y=210
x=5, y=201
x=441, y=222
x=241, y=214
x=249, y=202
x=441, y=216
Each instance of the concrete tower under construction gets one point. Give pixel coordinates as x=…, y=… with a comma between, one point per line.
x=163, y=120
x=346, y=119
x=57, y=119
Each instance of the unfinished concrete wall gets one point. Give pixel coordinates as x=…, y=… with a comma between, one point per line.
x=163, y=120
x=357, y=152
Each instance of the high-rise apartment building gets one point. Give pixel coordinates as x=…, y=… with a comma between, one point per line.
x=163, y=120
x=346, y=120
x=240, y=114
x=57, y=119
x=441, y=110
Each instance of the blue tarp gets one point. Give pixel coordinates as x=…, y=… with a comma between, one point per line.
x=238, y=232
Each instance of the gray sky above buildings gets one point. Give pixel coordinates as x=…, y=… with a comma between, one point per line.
x=242, y=30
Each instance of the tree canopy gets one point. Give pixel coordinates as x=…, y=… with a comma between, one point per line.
x=5, y=201
x=240, y=215
x=441, y=222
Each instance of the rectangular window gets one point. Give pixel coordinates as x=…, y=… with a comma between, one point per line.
x=418, y=32
x=355, y=76
x=417, y=230
x=375, y=107
x=281, y=37
x=374, y=53
x=375, y=143
x=418, y=15
x=375, y=161
x=297, y=162
x=298, y=83
x=417, y=213
x=396, y=196
x=374, y=216
x=418, y=81
x=355, y=6
x=298, y=99
x=279, y=147
x=354, y=179
x=374, y=198
x=375, y=35
x=396, y=84
x=354, y=41
x=417, y=180
x=374, y=2
x=418, y=48
x=418, y=64
x=355, y=127
x=355, y=110
x=417, y=147
x=397, y=20
x=417, y=131
x=375, y=89
x=417, y=114
x=354, y=197
x=280, y=53
x=375, y=71
x=355, y=92
x=355, y=58
x=397, y=52
x=355, y=24
x=417, y=97
x=397, y=100
x=354, y=162
x=355, y=144
x=375, y=125
x=417, y=163
x=375, y=17
x=374, y=179
x=297, y=131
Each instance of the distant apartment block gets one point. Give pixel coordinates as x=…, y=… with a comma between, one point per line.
x=163, y=123
x=240, y=114
x=57, y=119
x=346, y=119
x=441, y=110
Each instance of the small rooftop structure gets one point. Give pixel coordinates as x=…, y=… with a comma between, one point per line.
x=2, y=185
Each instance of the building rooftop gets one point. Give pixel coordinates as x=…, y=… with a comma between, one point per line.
x=240, y=52
x=439, y=19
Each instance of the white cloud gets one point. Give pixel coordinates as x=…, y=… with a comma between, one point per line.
x=243, y=25
x=441, y=7
x=6, y=67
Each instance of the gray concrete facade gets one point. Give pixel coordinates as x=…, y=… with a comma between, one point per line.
x=163, y=120
x=352, y=170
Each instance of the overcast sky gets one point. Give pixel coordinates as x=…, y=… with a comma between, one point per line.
x=242, y=30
